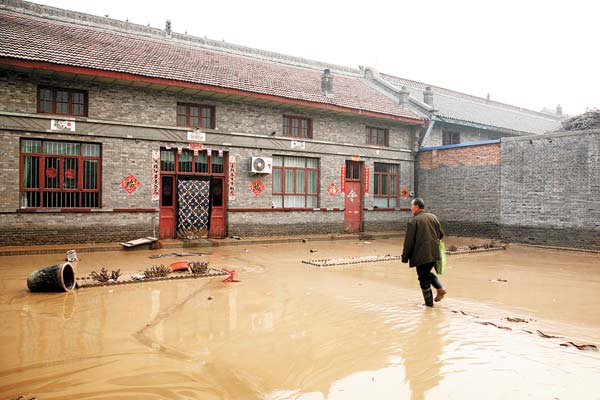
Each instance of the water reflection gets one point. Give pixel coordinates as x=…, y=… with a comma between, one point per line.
x=422, y=353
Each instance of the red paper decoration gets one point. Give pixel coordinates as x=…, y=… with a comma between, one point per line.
x=130, y=184
x=257, y=187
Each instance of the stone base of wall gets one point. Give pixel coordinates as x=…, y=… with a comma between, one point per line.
x=246, y=230
x=11, y=236
x=577, y=238
x=384, y=226
x=471, y=229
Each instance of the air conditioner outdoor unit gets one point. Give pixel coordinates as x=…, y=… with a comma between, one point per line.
x=262, y=165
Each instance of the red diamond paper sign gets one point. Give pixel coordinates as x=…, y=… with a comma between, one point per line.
x=129, y=183
x=332, y=190
x=404, y=192
x=257, y=187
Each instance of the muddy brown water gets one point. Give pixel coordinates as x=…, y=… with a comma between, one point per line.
x=289, y=330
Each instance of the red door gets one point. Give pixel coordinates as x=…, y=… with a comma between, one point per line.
x=353, y=198
x=217, y=209
x=167, y=207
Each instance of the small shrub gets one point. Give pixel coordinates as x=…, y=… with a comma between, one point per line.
x=472, y=247
x=493, y=244
x=103, y=276
x=452, y=248
x=157, y=271
x=199, y=267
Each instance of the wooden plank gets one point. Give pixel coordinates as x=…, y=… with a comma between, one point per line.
x=137, y=242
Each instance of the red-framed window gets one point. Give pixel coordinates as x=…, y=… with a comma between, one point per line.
x=377, y=136
x=295, y=182
x=188, y=163
x=450, y=137
x=385, y=185
x=297, y=127
x=58, y=174
x=195, y=115
x=54, y=100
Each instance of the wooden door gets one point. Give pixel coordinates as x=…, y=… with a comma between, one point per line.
x=217, y=209
x=167, y=207
x=353, y=198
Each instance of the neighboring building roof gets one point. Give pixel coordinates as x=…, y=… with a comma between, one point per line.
x=459, y=107
x=84, y=44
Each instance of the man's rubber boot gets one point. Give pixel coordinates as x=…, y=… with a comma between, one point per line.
x=428, y=296
x=441, y=292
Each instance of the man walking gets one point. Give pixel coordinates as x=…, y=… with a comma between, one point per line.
x=422, y=248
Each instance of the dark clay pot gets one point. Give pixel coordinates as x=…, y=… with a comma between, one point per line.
x=55, y=278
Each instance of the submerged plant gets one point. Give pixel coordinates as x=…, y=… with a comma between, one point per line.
x=157, y=271
x=103, y=276
x=199, y=267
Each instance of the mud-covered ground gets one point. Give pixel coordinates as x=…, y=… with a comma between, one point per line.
x=507, y=328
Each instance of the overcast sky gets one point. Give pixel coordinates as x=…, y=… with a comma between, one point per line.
x=528, y=53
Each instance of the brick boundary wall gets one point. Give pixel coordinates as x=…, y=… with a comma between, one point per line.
x=461, y=185
x=540, y=189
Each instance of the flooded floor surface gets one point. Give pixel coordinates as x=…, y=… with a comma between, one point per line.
x=289, y=330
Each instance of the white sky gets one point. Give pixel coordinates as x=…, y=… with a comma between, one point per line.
x=529, y=53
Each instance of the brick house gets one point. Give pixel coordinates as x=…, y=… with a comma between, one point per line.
x=112, y=131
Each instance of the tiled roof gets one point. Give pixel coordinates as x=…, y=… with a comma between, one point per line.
x=67, y=43
x=463, y=107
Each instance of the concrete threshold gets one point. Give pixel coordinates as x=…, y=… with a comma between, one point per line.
x=187, y=244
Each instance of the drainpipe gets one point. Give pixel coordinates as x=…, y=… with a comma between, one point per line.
x=428, y=133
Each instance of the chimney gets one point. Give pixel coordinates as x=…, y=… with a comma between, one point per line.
x=327, y=82
x=404, y=93
x=428, y=96
x=558, y=110
x=168, y=27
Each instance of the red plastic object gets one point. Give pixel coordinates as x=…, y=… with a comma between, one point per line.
x=231, y=277
x=180, y=265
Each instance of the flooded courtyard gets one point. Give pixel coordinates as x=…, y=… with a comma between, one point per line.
x=508, y=328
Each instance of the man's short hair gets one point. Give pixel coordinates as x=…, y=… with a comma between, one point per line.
x=419, y=202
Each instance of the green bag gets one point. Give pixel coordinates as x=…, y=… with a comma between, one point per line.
x=440, y=265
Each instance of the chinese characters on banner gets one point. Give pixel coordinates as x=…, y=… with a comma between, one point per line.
x=343, y=179
x=232, y=173
x=366, y=179
x=155, y=185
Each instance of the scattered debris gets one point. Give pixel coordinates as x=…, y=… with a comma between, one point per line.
x=72, y=256
x=231, y=277
x=584, y=347
x=209, y=298
x=155, y=245
x=175, y=255
x=516, y=319
x=506, y=328
x=542, y=334
x=499, y=280
x=236, y=237
x=179, y=265
x=138, y=242
x=351, y=260
x=313, y=250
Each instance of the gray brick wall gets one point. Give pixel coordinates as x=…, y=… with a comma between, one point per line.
x=550, y=189
x=462, y=187
x=242, y=129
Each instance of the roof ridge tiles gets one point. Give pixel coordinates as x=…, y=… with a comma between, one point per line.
x=466, y=96
x=67, y=17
